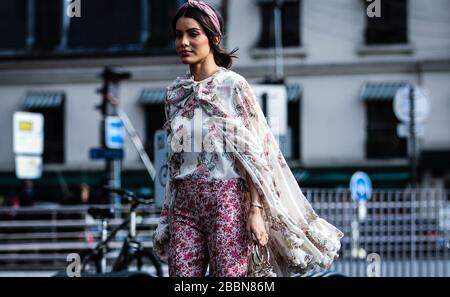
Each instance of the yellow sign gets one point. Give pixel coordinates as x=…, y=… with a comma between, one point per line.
x=26, y=126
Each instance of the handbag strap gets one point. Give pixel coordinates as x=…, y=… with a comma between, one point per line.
x=260, y=257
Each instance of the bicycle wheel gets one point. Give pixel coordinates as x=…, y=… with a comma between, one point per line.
x=140, y=257
x=125, y=257
x=91, y=264
x=153, y=261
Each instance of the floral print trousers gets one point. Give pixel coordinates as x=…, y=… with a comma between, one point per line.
x=208, y=226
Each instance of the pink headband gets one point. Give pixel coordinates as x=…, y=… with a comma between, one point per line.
x=206, y=9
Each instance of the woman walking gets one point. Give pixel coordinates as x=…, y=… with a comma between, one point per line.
x=228, y=183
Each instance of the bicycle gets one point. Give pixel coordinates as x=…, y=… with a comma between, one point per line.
x=131, y=249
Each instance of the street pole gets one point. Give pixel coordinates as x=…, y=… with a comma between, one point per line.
x=278, y=40
x=278, y=77
x=110, y=94
x=412, y=139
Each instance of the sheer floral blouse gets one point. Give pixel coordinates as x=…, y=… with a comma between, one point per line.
x=201, y=156
x=217, y=130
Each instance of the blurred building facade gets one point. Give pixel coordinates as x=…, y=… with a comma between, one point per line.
x=342, y=69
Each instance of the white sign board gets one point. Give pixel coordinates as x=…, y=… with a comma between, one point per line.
x=28, y=167
x=28, y=133
x=160, y=153
x=114, y=132
x=276, y=113
x=402, y=104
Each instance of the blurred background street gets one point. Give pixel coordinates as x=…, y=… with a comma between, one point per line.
x=358, y=87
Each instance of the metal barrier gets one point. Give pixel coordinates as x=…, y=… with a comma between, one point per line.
x=405, y=233
x=41, y=238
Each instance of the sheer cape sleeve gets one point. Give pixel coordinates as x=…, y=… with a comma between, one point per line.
x=299, y=239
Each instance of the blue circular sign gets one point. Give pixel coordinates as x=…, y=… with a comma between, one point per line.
x=360, y=186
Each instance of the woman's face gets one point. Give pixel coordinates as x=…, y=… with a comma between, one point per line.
x=191, y=42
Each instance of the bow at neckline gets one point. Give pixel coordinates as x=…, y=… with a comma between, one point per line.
x=185, y=86
x=185, y=94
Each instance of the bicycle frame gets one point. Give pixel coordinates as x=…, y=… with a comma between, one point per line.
x=101, y=249
x=131, y=249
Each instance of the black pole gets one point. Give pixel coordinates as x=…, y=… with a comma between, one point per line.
x=111, y=79
x=412, y=139
x=278, y=77
x=279, y=73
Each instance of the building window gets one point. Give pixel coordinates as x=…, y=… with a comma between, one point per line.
x=294, y=113
x=47, y=24
x=391, y=27
x=13, y=24
x=382, y=141
x=30, y=24
x=106, y=27
x=160, y=27
x=106, y=23
x=51, y=106
x=152, y=101
x=290, y=24
x=143, y=25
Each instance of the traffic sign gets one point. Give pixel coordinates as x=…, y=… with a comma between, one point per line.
x=162, y=176
x=361, y=189
x=105, y=153
x=360, y=186
x=28, y=133
x=402, y=104
x=276, y=106
x=28, y=167
x=114, y=132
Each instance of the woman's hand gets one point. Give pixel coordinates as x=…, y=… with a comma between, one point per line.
x=255, y=220
x=255, y=225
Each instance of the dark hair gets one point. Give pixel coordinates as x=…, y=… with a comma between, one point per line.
x=221, y=56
